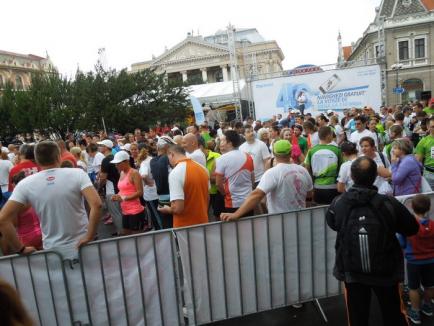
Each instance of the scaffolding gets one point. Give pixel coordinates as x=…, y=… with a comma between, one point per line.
x=381, y=55
x=234, y=72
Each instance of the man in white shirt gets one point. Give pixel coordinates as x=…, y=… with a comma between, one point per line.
x=257, y=150
x=361, y=132
x=286, y=186
x=95, y=161
x=191, y=146
x=64, y=223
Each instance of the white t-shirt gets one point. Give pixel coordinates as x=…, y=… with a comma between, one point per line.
x=5, y=168
x=286, y=186
x=356, y=136
x=259, y=152
x=94, y=164
x=314, y=139
x=197, y=156
x=149, y=192
x=61, y=208
x=236, y=168
x=345, y=175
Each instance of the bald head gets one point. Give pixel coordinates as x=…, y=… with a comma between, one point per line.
x=189, y=142
x=364, y=171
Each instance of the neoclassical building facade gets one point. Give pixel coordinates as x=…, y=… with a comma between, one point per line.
x=199, y=59
x=408, y=58
x=17, y=68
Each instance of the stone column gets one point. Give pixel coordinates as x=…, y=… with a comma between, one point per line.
x=184, y=75
x=225, y=72
x=204, y=75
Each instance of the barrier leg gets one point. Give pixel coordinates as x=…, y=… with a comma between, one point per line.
x=321, y=311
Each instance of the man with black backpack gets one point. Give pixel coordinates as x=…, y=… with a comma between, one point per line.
x=368, y=254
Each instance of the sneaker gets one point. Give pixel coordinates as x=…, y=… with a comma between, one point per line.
x=426, y=309
x=414, y=316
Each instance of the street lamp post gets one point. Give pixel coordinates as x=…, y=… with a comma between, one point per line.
x=396, y=67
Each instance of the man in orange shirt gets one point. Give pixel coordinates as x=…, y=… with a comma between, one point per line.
x=189, y=185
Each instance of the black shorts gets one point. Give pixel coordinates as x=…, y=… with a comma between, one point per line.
x=420, y=274
x=134, y=222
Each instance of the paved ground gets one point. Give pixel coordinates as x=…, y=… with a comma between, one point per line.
x=309, y=315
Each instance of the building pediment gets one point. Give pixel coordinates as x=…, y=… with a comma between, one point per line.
x=190, y=49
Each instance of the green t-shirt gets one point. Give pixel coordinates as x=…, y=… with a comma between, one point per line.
x=210, y=164
x=302, y=142
x=206, y=137
x=425, y=148
x=324, y=161
x=428, y=110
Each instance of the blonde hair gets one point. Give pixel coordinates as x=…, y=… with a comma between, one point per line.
x=77, y=152
x=143, y=155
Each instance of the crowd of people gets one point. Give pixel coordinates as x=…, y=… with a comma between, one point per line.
x=55, y=192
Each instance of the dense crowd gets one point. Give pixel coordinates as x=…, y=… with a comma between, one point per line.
x=163, y=177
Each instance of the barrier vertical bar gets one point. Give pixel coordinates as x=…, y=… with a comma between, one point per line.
x=158, y=279
x=192, y=278
x=33, y=288
x=269, y=261
x=14, y=274
x=326, y=247
x=175, y=273
x=122, y=282
x=51, y=291
x=254, y=264
x=86, y=297
x=224, y=269
x=239, y=269
x=298, y=255
x=141, y=281
x=312, y=258
x=103, y=283
x=284, y=259
x=207, y=273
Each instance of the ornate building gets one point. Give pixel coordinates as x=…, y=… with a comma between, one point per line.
x=199, y=59
x=401, y=40
x=17, y=68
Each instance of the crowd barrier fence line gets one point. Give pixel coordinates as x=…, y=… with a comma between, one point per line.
x=206, y=273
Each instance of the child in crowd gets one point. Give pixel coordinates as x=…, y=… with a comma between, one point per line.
x=419, y=253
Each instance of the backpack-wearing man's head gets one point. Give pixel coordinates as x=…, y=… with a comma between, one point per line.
x=364, y=171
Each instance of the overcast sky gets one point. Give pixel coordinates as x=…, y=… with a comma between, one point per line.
x=134, y=30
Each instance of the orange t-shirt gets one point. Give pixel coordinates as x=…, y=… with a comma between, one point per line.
x=189, y=181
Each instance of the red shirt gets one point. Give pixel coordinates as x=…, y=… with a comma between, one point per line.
x=67, y=156
x=28, y=167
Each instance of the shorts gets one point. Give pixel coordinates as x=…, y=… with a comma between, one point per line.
x=420, y=274
x=234, y=209
x=134, y=222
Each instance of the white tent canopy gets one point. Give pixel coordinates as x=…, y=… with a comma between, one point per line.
x=218, y=93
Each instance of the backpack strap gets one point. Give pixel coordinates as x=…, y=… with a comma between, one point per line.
x=383, y=205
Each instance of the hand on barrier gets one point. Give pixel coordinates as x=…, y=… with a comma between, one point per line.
x=83, y=241
x=165, y=210
x=228, y=217
x=27, y=251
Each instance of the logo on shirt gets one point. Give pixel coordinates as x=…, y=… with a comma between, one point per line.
x=51, y=178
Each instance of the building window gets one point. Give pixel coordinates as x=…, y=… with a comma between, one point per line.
x=19, y=83
x=419, y=48
x=403, y=53
x=2, y=83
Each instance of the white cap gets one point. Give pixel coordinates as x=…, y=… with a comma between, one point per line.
x=5, y=150
x=107, y=143
x=127, y=147
x=292, y=111
x=330, y=111
x=120, y=157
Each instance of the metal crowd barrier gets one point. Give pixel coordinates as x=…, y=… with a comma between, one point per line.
x=224, y=270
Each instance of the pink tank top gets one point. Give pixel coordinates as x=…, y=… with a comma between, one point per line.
x=126, y=188
x=29, y=229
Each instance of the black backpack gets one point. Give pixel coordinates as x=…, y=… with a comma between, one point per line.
x=367, y=238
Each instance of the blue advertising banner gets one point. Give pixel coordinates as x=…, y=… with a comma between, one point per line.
x=317, y=92
x=199, y=116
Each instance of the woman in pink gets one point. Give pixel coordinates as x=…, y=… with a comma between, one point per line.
x=130, y=191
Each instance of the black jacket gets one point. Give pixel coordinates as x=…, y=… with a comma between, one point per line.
x=403, y=223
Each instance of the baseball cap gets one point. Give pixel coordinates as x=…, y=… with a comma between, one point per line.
x=106, y=142
x=330, y=112
x=120, y=157
x=282, y=147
